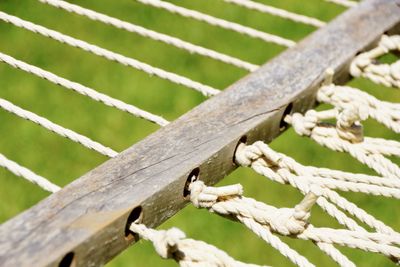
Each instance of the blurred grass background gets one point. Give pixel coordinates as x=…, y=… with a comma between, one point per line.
x=63, y=161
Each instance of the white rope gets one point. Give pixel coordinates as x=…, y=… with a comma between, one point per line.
x=83, y=90
x=289, y=222
x=28, y=174
x=317, y=184
x=266, y=235
x=335, y=254
x=283, y=169
x=357, y=212
x=344, y=97
x=278, y=12
x=173, y=244
x=327, y=178
x=215, y=199
x=252, y=156
x=256, y=223
x=219, y=22
x=227, y=201
x=364, y=65
x=347, y=137
x=126, y=61
x=345, y=3
x=191, y=48
x=45, y=123
x=265, y=161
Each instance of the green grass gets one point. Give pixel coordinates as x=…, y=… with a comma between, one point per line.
x=63, y=161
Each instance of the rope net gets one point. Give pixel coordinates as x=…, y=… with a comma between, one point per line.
x=320, y=186
x=131, y=62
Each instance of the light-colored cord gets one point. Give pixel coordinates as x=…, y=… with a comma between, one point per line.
x=173, y=244
x=112, y=56
x=278, y=12
x=365, y=64
x=347, y=137
x=283, y=169
x=345, y=97
x=81, y=89
x=45, y=123
x=345, y=3
x=130, y=27
x=27, y=174
x=219, y=22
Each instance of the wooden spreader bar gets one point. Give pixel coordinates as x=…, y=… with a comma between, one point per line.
x=84, y=223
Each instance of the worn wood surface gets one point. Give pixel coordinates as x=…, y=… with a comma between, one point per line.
x=88, y=217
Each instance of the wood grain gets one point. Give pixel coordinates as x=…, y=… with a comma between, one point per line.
x=88, y=217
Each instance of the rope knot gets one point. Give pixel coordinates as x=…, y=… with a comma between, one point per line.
x=245, y=155
x=348, y=123
x=166, y=242
x=203, y=196
x=293, y=221
x=303, y=124
x=358, y=65
x=395, y=70
x=283, y=222
x=367, y=65
x=325, y=93
x=389, y=43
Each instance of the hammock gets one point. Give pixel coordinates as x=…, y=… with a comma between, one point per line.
x=154, y=175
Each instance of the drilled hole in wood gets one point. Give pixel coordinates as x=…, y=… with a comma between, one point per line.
x=288, y=111
x=193, y=176
x=135, y=216
x=242, y=140
x=359, y=52
x=68, y=260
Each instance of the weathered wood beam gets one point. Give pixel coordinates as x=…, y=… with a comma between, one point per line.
x=88, y=217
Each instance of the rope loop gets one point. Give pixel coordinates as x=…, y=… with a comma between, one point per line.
x=165, y=242
x=303, y=124
x=203, y=196
x=245, y=155
x=293, y=221
x=363, y=104
x=348, y=124
x=366, y=64
x=228, y=200
x=173, y=244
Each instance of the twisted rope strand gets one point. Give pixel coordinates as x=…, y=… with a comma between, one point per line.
x=346, y=181
x=364, y=64
x=348, y=138
x=219, y=22
x=28, y=174
x=289, y=222
x=83, y=90
x=250, y=156
x=262, y=218
x=173, y=243
x=345, y=97
x=261, y=158
x=64, y=132
x=278, y=12
x=266, y=235
x=351, y=107
x=130, y=27
x=112, y=56
x=265, y=162
x=335, y=254
x=345, y=3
